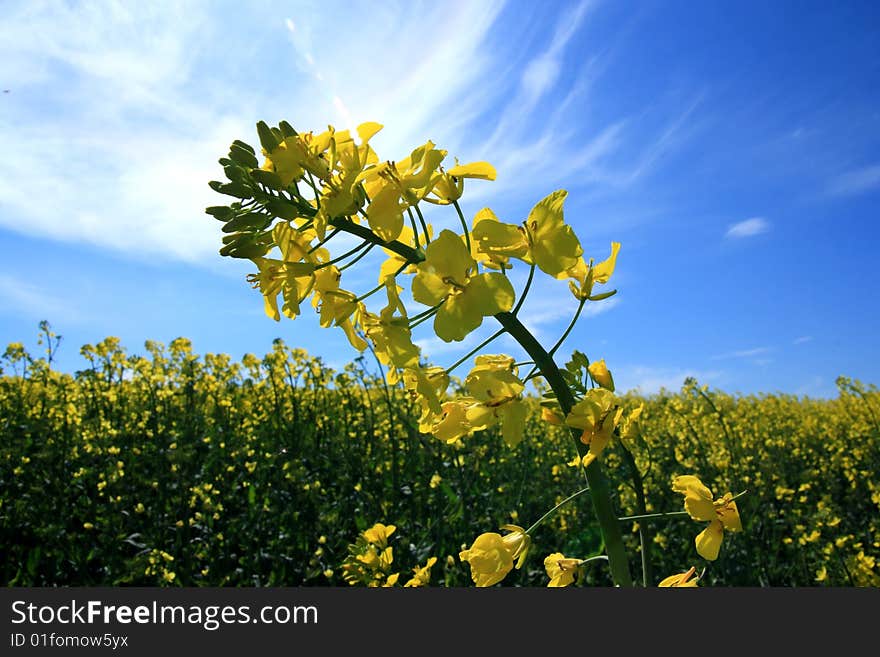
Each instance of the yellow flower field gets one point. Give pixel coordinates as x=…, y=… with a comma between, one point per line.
x=179, y=469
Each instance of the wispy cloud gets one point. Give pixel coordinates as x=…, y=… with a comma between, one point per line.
x=648, y=380
x=744, y=353
x=748, y=228
x=803, y=339
x=122, y=110
x=25, y=299
x=857, y=181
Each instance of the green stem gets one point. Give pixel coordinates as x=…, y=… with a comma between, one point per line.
x=467, y=233
x=597, y=482
x=570, y=327
x=359, y=256
x=325, y=240
x=553, y=510
x=645, y=537
x=600, y=491
x=424, y=225
x=411, y=255
x=525, y=291
x=667, y=514
x=378, y=287
x=412, y=221
x=474, y=350
x=345, y=255
x=370, y=293
x=424, y=318
x=429, y=311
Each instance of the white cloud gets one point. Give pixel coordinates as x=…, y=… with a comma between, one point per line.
x=122, y=110
x=748, y=228
x=743, y=353
x=855, y=182
x=803, y=339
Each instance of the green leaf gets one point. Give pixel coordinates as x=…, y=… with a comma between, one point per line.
x=268, y=178
x=246, y=245
x=580, y=358
x=250, y=221
x=237, y=189
x=234, y=173
x=243, y=156
x=283, y=209
x=287, y=129
x=245, y=146
x=220, y=212
x=267, y=138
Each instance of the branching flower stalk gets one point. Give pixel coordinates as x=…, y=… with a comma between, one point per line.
x=460, y=278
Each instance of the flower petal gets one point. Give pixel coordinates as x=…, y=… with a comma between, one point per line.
x=708, y=541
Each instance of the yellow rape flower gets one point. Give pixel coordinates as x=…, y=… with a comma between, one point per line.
x=427, y=385
x=601, y=375
x=494, y=242
x=335, y=304
x=681, y=580
x=596, y=415
x=721, y=514
x=379, y=534
x=452, y=423
x=497, y=390
x=448, y=275
x=343, y=196
x=554, y=247
x=586, y=275
x=422, y=575
x=293, y=275
x=492, y=556
x=560, y=569
x=389, y=331
x=393, y=186
x=630, y=429
x=449, y=185
x=298, y=153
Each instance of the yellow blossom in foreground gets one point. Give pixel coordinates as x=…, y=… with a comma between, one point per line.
x=449, y=185
x=560, y=569
x=422, y=575
x=596, y=416
x=494, y=243
x=586, y=275
x=682, y=580
x=497, y=389
x=601, y=375
x=449, y=276
x=492, y=556
x=554, y=246
x=378, y=534
x=721, y=514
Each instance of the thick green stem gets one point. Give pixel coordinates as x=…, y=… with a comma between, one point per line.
x=600, y=492
x=599, y=489
x=645, y=535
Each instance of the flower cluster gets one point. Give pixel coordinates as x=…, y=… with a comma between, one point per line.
x=309, y=188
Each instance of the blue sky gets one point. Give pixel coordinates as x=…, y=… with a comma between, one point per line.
x=732, y=148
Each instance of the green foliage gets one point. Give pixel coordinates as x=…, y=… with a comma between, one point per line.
x=179, y=469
